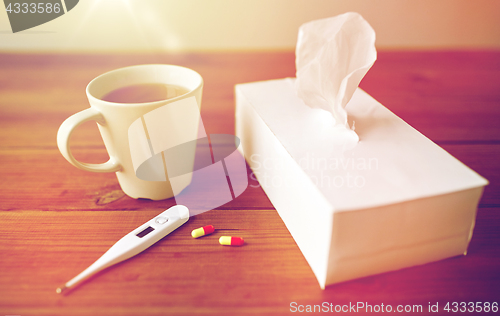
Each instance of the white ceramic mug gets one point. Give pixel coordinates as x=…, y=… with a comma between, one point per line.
x=114, y=120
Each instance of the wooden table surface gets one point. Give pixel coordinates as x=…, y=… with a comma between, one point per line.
x=55, y=219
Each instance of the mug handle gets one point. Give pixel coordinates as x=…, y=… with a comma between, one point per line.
x=64, y=135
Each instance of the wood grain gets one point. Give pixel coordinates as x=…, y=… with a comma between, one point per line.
x=55, y=219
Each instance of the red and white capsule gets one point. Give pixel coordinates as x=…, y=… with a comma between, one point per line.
x=231, y=241
x=202, y=231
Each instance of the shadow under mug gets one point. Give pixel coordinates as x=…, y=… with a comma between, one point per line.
x=114, y=120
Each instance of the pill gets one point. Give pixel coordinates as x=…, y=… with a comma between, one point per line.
x=202, y=231
x=231, y=241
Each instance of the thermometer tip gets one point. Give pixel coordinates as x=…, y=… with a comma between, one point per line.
x=61, y=289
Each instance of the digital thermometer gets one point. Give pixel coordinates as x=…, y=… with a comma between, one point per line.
x=134, y=242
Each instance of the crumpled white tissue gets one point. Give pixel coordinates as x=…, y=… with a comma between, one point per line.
x=332, y=56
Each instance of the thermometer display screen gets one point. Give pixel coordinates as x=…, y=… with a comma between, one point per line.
x=145, y=232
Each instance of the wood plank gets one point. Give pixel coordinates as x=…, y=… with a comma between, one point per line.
x=56, y=219
x=445, y=95
x=483, y=159
x=185, y=276
x=42, y=179
x=57, y=87
x=67, y=242
x=45, y=181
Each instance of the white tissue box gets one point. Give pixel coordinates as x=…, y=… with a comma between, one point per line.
x=395, y=200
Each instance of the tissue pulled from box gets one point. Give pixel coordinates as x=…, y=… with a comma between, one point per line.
x=332, y=56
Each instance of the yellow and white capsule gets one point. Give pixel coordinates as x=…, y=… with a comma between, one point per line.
x=202, y=231
x=231, y=241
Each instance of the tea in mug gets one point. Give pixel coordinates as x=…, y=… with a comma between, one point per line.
x=143, y=93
